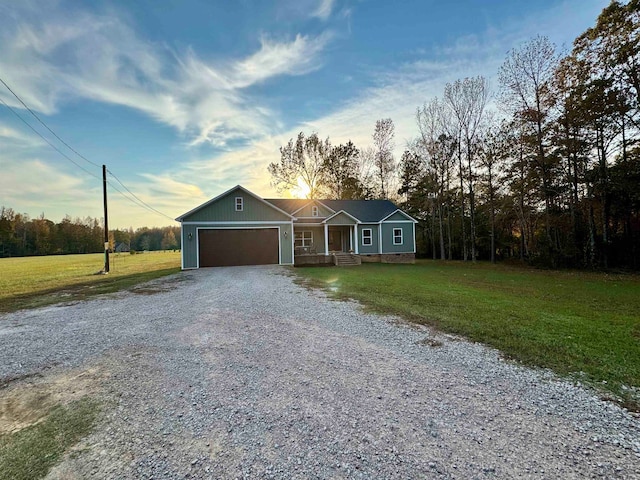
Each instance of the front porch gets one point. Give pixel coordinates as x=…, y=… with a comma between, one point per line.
x=325, y=245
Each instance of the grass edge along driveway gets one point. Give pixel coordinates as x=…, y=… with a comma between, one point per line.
x=582, y=324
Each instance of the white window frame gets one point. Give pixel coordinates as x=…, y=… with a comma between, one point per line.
x=401, y=236
x=368, y=237
x=239, y=204
x=314, y=211
x=299, y=236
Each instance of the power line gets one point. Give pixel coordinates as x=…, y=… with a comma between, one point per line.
x=136, y=197
x=48, y=142
x=46, y=126
x=139, y=202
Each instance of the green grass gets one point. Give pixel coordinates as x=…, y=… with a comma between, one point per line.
x=572, y=322
x=29, y=282
x=30, y=453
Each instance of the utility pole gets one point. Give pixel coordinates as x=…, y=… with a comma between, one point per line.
x=106, y=222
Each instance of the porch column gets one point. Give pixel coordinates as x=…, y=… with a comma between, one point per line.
x=326, y=239
x=350, y=239
x=355, y=234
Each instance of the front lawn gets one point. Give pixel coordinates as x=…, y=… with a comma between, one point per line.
x=578, y=323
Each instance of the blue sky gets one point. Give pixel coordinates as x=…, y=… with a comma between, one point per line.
x=183, y=99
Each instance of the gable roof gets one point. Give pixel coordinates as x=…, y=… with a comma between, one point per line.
x=288, y=205
x=367, y=211
x=237, y=187
x=341, y=212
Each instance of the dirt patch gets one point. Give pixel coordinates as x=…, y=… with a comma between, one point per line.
x=27, y=402
x=430, y=342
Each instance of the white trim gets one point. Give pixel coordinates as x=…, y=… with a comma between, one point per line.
x=179, y=219
x=380, y=239
x=302, y=232
x=370, y=237
x=181, y=247
x=232, y=222
x=293, y=250
x=393, y=232
x=315, y=224
x=326, y=239
x=350, y=239
x=239, y=204
x=234, y=228
x=308, y=203
x=341, y=224
x=314, y=208
x=401, y=212
x=355, y=235
x=414, y=238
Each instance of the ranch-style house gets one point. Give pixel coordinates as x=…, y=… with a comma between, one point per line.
x=240, y=228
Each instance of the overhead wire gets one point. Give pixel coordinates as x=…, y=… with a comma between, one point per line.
x=46, y=126
x=135, y=200
x=47, y=141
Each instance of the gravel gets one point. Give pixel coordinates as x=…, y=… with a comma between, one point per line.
x=241, y=373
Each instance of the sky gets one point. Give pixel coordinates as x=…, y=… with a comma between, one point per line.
x=184, y=99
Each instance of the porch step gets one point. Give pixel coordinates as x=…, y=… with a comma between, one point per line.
x=346, y=259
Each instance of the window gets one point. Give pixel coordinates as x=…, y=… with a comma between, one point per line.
x=239, y=204
x=366, y=236
x=303, y=239
x=314, y=211
x=397, y=236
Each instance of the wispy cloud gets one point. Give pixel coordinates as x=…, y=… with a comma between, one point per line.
x=289, y=58
x=53, y=56
x=397, y=92
x=323, y=12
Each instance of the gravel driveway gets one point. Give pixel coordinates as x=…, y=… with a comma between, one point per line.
x=241, y=373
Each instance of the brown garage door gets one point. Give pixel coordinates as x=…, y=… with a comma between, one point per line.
x=223, y=248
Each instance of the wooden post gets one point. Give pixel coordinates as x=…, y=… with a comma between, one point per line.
x=106, y=222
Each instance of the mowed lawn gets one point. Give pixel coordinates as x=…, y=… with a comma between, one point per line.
x=584, y=324
x=28, y=282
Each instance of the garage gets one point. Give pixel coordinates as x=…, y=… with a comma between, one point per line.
x=232, y=247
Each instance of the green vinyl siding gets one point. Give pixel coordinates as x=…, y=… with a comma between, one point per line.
x=224, y=210
x=399, y=217
x=342, y=219
x=373, y=248
x=306, y=211
x=407, y=237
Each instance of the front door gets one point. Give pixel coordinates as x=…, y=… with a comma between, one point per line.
x=335, y=241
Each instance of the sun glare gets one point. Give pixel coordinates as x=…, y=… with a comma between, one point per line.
x=301, y=191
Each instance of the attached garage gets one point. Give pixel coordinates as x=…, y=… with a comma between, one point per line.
x=234, y=246
x=236, y=228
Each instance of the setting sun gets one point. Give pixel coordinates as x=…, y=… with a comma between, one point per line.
x=302, y=190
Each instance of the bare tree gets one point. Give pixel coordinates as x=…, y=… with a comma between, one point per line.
x=467, y=100
x=383, y=140
x=301, y=160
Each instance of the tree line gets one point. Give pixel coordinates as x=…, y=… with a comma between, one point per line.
x=546, y=168
x=21, y=236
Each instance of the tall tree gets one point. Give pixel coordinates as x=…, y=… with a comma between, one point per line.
x=340, y=173
x=525, y=79
x=383, y=141
x=467, y=100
